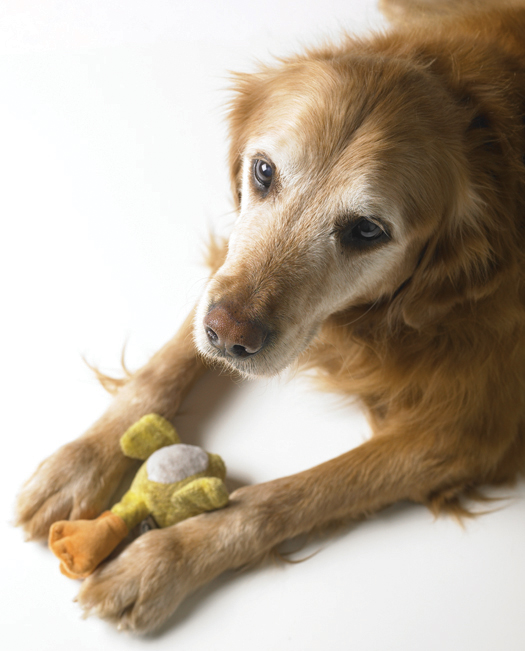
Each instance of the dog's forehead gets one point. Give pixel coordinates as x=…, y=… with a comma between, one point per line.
x=352, y=127
x=320, y=136
x=318, y=116
x=309, y=112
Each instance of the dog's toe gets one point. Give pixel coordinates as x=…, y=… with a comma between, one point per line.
x=141, y=588
x=107, y=593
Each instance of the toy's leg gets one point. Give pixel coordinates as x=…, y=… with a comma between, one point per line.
x=82, y=544
x=79, y=479
x=131, y=509
x=200, y=495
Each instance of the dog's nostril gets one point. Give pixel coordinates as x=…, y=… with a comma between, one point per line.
x=239, y=351
x=212, y=336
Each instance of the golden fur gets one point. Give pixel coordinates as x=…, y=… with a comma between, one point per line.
x=422, y=130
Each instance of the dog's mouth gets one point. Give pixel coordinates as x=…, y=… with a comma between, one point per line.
x=248, y=346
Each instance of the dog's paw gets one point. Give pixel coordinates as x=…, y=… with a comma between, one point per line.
x=73, y=483
x=143, y=586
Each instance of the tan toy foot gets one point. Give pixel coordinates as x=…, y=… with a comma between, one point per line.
x=82, y=544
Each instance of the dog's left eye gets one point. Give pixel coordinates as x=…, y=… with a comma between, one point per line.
x=262, y=173
x=367, y=230
x=360, y=233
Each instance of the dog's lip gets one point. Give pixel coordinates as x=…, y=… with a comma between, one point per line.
x=270, y=360
x=267, y=362
x=260, y=364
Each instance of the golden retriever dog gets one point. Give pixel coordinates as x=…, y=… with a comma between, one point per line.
x=380, y=239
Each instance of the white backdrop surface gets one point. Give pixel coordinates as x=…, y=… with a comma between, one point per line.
x=112, y=168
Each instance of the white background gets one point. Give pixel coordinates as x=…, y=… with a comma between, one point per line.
x=112, y=156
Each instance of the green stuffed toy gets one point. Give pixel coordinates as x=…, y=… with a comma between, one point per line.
x=176, y=482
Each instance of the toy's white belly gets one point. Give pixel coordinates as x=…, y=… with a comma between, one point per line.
x=176, y=462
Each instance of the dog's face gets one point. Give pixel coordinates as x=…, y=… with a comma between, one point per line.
x=344, y=170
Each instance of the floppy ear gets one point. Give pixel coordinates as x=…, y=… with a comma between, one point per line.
x=459, y=266
x=478, y=247
x=243, y=111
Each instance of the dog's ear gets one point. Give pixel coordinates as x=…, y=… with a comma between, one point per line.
x=477, y=247
x=459, y=266
x=244, y=108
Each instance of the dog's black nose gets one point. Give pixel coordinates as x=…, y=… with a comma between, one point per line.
x=236, y=338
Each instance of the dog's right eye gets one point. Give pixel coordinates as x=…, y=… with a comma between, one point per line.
x=262, y=173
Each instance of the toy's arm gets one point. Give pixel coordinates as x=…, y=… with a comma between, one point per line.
x=205, y=494
x=148, y=435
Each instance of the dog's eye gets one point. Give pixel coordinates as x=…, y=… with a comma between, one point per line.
x=367, y=230
x=361, y=233
x=262, y=173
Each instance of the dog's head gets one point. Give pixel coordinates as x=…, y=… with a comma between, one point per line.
x=347, y=172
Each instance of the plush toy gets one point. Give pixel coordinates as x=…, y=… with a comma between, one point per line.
x=176, y=482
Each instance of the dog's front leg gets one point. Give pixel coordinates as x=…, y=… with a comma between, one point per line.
x=79, y=479
x=143, y=586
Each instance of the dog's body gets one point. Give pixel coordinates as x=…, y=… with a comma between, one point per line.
x=381, y=195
